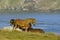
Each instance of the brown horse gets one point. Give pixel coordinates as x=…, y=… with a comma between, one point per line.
x=23, y=24
x=36, y=30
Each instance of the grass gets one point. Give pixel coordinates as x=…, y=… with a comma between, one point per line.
x=16, y=35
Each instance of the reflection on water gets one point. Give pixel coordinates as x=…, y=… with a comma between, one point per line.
x=47, y=22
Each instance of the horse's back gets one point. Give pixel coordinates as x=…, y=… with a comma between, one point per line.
x=19, y=21
x=29, y=19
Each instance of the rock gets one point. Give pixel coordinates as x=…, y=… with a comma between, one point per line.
x=10, y=28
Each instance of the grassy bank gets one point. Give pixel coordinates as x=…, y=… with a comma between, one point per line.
x=16, y=35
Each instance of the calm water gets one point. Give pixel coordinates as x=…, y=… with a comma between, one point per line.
x=49, y=22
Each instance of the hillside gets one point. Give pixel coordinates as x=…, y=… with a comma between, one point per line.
x=30, y=5
x=16, y=35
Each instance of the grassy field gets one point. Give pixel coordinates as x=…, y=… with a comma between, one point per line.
x=16, y=35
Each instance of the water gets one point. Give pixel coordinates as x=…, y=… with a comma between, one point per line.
x=49, y=22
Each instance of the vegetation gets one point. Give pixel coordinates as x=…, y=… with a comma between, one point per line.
x=30, y=5
x=16, y=35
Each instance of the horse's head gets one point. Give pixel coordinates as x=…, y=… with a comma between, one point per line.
x=33, y=21
x=30, y=20
x=11, y=21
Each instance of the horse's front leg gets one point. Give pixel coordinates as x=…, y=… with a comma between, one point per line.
x=26, y=29
x=15, y=26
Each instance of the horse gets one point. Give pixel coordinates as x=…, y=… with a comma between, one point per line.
x=23, y=24
x=35, y=30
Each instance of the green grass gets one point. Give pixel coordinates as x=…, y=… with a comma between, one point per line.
x=16, y=35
